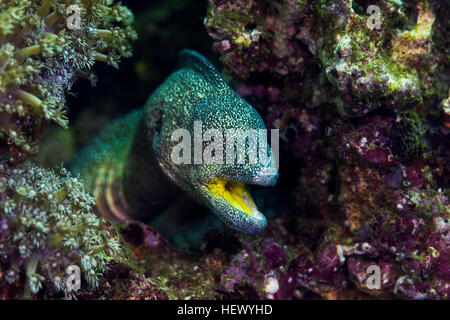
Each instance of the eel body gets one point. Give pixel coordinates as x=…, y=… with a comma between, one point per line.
x=130, y=166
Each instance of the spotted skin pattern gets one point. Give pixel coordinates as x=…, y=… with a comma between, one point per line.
x=129, y=168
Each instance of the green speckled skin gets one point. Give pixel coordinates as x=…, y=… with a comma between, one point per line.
x=134, y=153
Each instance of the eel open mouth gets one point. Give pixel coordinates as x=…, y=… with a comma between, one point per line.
x=235, y=193
x=232, y=202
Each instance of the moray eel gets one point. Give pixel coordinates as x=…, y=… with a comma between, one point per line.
x=129, y=170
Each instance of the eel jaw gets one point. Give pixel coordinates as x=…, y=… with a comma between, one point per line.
x=232, y=202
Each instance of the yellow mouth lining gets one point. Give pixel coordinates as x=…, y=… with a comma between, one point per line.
x=236, y=193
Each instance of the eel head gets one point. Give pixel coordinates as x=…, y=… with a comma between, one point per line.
x=227, y=157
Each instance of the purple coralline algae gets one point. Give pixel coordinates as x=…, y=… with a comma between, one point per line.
x=363, y=112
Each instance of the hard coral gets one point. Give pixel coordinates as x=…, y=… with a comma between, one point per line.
x=258, y=35
x=389, y=66
x=41, y=57
x=400, y=224
x=46, y=225
x=370, y=66
x=370, y=187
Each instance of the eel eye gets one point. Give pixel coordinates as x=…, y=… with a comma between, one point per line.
x=155, y=120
